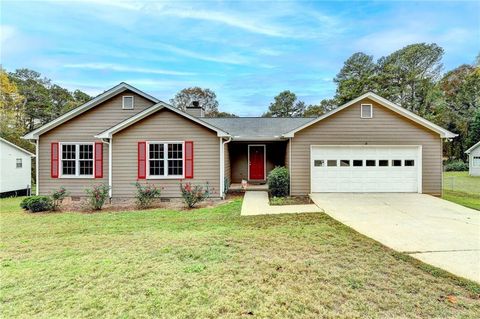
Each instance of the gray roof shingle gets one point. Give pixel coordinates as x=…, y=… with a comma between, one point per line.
x=244, y=128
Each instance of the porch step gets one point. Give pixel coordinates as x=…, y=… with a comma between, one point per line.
x=237, y=187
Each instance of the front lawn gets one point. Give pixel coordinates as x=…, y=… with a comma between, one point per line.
x=460, y=188
x=211, y=263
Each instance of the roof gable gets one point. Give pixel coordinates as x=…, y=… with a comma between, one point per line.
x=87, y=106
x=384, y=102
x=152, y=110
x=17, y=147
x=473, y=147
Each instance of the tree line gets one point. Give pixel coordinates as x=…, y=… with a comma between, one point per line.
x=412, y=78
x=28, y=100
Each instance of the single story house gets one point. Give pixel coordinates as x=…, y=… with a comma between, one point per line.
x=15, y=170
x=474, y=160
x=123, y=135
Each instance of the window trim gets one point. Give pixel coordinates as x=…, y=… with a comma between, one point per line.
x=473, y=161
x=123, y=102
x=17, y=162
x=361, y=111
x=165, y=159
x=77, y=160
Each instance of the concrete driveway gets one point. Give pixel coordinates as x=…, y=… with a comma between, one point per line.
x=430, y=229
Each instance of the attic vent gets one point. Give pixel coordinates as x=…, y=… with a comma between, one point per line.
x=127, y=103
x=366, y=111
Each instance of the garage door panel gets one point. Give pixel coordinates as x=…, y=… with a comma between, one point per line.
x=369, y=177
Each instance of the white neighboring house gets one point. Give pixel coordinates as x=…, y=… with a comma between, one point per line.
x=15, y=169
x=474, y=160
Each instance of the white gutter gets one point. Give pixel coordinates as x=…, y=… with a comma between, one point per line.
x=290, y=166
x=222, y=165
x=36, y=167
x=110, y=146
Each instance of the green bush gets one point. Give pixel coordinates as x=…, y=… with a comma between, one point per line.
x=25, y=203
x=97, y=195
x=456, y=166
x=279, y=181
x=146, y=194
x=36, y=204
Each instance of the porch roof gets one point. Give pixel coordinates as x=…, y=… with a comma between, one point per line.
x=257, y=128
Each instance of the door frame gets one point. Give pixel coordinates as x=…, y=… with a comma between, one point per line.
x=419, y=158
x=264, y=162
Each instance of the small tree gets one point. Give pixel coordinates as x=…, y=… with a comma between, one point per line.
x=206, y=97
x=285, y=105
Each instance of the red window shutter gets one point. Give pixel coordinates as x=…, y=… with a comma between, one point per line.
x=188, y=159
x=54, y=160
x=142, y=160
x=98, y=159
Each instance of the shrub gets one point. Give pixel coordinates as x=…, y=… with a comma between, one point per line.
x=146, y=194
x=25, y=203
x=37, y=204
x=194, y=194
x=278, y=181
x=58, y=197
x=97, y=195
x=456, y=165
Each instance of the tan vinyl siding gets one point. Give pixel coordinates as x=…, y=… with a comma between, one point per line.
x=165, y=125
x=385, y=128
x=227, y=164
x=82, y=129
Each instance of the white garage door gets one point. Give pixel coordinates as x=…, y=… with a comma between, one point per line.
x=365, y=169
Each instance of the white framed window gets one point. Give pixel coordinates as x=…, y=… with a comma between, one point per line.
x=165, y=160
x=76, y=160
x=127, y=102
x=19, y=163
x=366, y=111
x=476, y=161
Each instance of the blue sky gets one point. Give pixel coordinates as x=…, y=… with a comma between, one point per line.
x=247, y=52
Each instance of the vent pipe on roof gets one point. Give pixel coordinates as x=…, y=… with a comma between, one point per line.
x=195, y=109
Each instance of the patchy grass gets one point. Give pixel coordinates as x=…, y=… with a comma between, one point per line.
x=465, y=199
x=290, y=200
x=460, y=188
x=210, y=263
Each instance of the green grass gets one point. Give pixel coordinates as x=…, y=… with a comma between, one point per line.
x=460, y=188
x=211, y=263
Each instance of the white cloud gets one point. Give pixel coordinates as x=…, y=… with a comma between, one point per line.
x=228, y=59
x=7, y=32
x=233, y=20
x=122, y=68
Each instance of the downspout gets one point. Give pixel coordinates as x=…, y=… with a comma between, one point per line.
x=36, y=166
x=222, y=164
x=109, y=143
x=290, y=142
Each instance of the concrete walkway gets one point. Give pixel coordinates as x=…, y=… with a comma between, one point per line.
x=256, y=203
x=435, y=231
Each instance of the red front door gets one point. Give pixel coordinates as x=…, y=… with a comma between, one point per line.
x=257, y=162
